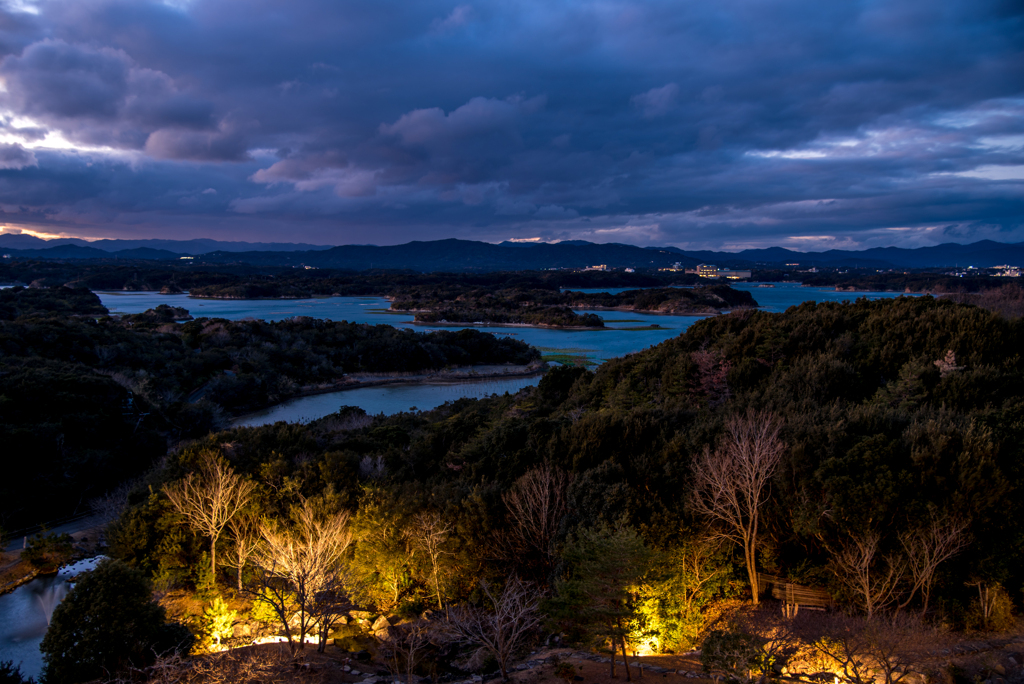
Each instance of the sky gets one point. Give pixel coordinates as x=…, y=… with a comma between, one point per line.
x=704, y=125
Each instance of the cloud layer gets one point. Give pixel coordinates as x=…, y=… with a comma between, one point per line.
x=704, y=125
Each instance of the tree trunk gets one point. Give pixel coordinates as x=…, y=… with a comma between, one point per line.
x=750, y=552
x=239, y=578
x=613, y=657
x=213, y=560
x=625, y=659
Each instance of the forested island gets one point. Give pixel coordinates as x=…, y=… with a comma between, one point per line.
x=555, y=308
x=93, y=397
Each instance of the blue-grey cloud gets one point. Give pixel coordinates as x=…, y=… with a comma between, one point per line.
x=697, y=124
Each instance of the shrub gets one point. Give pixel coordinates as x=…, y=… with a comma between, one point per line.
x=48, y=550
x=735, y=654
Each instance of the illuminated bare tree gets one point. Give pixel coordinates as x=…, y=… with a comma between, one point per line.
x=428, y=534
x=244, y=530
x=537, y=502
x=503, y=630
x=927, y=548
x=299, y=562
x=857, y=565
x=694, y=561
x=210, y=498
x=730, y=484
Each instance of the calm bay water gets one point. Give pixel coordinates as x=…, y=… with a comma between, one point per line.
x=618, y=339
x=384, y=399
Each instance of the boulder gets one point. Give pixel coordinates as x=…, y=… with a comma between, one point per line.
x=241, y=629
x=381, y=628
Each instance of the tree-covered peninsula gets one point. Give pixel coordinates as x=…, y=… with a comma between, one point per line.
x=87, y=398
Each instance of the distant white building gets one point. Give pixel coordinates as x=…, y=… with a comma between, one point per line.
x=712, y=271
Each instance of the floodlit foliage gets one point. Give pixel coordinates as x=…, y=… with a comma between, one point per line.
x=301, y=564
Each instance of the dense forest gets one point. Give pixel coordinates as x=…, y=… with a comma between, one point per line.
x=243, y=281
x=888, y=436
x=910, y=281
x=546, y=307
x=94, y=398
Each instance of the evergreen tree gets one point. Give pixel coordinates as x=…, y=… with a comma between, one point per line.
x=107, y=622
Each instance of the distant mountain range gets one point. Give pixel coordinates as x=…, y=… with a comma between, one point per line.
x=983, y=254
x=468, y=255
x=177, y=247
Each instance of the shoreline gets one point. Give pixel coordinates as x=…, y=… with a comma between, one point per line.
x=362, y=380
x=644, y=312
x=485, y=324
x=24, y=579
x=650, y=312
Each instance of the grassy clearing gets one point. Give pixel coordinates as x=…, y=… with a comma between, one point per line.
x=570, y=356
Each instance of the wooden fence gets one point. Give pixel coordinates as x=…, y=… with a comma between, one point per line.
x=794, y=596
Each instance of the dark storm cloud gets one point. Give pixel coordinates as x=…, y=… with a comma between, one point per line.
x=698, y=124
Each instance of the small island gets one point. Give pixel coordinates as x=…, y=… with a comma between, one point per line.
x=515, y=306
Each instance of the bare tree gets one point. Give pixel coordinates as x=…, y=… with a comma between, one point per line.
x=112, y=504
x=857, y=566
x=428, y=534
x=927, y=548
x=731, y=483
x=209, y=499
x=234, y=666
x=372, y=468
x=537, y=502
x=329, y=604
x=300, y=561
x=405, y=644
x=244, y=529
x=694, y=561
x=503, y=631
